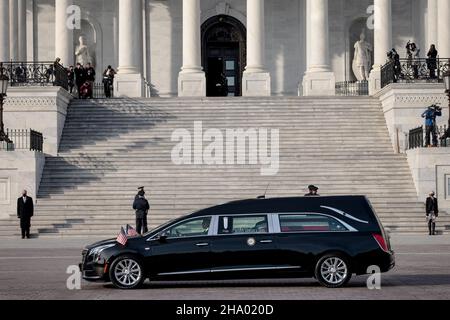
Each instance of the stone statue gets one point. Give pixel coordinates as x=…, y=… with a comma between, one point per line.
x=82, y=53
x=362, y=62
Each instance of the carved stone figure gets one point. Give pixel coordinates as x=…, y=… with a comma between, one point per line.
x=82, y=53
x=362, y=62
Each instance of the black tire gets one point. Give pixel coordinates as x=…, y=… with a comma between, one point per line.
x=333, y=270
x=131, y=279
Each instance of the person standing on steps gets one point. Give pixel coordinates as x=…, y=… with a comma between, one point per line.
x=80, y=78
x=432, y=211
x=430, y=116
x=312, y=191
x=108, y=80
x=90, y=77
x=25, y=210
x=141, y=207
x=71, y=78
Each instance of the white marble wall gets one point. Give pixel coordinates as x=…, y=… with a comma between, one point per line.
x=43, y=109
x=431, y=172
x=285, y=35
x=19, y=170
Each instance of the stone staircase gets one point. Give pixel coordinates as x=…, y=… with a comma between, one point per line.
x=111, y=147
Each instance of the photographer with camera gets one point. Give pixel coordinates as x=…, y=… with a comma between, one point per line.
x=430, y=115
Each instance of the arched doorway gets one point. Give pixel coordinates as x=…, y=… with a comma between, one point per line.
x=223, y=55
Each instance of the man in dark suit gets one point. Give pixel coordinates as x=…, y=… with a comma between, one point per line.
x=141, y=206
x=432, y=211
x=25, y=210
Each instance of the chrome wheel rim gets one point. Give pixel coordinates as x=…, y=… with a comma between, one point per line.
x=127, y=272
x=334, y=270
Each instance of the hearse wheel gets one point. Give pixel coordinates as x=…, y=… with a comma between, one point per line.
x=333, y=271
x=127, y=272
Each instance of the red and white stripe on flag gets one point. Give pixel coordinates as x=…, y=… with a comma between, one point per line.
x=131, y=232
x=122, y=237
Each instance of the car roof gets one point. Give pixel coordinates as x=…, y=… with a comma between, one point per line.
x=347, y=208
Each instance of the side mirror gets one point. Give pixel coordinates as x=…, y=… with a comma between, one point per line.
x=161, y=238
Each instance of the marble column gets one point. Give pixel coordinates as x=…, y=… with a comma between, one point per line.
x=4, y=31
x=382, y=41
x=14, y=29
x=444, y=28
x=129, y=81
x=64, y=48
x=22, y=20
x=432, y=22
x=318, y=80
x=256, y=80
x=191, y=79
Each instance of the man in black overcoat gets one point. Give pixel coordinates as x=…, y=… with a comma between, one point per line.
x=432, y=211
x=25, y=210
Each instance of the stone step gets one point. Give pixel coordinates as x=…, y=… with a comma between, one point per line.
x=109, y=147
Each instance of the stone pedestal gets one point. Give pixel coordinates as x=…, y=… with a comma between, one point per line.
x=191, y=84
x=319, y=84
x=129, y=85
x=256, y=84
x=374, y=81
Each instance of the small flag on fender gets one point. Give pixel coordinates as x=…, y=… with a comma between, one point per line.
x=131, y=232
x=122, y=237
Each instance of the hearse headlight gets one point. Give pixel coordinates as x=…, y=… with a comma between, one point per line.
x=95, y=252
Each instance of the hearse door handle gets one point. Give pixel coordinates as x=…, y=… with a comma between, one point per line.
x=266, y=241
x=202, y=244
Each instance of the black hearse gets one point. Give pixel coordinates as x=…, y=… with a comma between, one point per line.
x=329, y=238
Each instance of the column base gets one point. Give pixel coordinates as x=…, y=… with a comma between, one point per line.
x=191, y=84
x=319, y=84
x=374, y=82
x=256, y=84
x=129, y=85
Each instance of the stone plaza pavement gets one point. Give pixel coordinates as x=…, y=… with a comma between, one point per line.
x=36, y=269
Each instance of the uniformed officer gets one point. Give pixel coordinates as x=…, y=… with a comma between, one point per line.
x=312, y=191
x=141, y=207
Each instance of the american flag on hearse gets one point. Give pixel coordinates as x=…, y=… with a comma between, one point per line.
x=122, y=237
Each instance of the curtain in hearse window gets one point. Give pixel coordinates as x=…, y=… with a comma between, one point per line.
x=299, y=223
x=243, y=224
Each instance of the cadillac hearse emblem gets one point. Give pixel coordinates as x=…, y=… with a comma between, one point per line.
x=251, y=242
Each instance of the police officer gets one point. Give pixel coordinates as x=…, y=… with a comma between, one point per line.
x=141, y=207
x=312, y=191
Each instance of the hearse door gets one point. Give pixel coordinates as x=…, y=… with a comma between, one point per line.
x=243, y=245
x=301, y=237
x=181, y=250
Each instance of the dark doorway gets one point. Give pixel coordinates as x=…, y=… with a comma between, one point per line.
x=223, y=55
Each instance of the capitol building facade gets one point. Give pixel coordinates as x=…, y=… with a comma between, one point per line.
x=261, y=47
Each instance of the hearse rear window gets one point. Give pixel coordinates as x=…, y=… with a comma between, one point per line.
x=243, y=224
x=310, y=222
